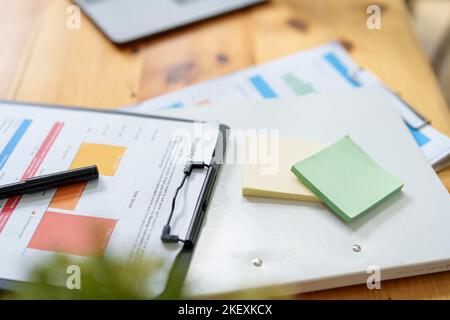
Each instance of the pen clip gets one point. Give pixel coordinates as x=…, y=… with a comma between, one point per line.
x=167, y=236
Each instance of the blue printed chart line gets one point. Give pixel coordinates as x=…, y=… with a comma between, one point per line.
x=334, y=61
x=13, y=142
x=263, y=87
x=420, y=138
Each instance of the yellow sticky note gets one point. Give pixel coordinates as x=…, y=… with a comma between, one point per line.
x=267, y=169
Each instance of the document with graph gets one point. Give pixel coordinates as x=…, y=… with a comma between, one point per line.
x=324, y=69
x=140, y=161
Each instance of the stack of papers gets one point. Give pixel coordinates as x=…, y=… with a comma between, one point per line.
x=325, y=69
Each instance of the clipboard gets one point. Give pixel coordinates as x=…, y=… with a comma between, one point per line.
x=181, y=264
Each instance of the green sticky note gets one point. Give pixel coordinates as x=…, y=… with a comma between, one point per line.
x=346, y=179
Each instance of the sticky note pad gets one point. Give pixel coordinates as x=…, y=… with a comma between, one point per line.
x=270, y=176
x=346, y=179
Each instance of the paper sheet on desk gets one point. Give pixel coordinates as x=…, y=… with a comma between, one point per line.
x=323, y=69
x=141, y=163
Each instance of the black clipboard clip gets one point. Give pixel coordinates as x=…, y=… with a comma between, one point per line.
x=205, y=193
x=166, y=235
x=178, y=271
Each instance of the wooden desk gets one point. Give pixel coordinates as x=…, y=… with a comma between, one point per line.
x=42, y=61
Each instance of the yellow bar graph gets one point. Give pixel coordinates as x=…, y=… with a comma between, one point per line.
x=106, y=157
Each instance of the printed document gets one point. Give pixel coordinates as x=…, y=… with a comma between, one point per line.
x=140, y=160
x=325, y=69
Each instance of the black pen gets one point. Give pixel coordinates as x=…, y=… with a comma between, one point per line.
x=49, y=181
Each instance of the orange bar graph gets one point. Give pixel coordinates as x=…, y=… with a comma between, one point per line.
x=67, y=198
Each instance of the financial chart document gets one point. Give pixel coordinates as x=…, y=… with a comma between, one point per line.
x=324, y=69
x=121, y=215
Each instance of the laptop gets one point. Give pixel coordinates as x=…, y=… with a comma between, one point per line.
x=127, y=20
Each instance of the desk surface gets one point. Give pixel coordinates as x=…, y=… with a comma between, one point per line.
x=43, y=61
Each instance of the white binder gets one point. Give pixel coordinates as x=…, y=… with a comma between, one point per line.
x=293, y=247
